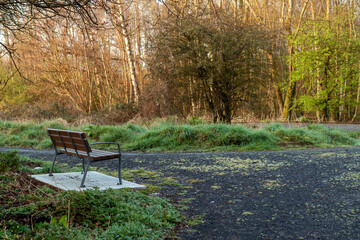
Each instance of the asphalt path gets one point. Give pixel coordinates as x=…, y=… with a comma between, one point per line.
x=297, y=194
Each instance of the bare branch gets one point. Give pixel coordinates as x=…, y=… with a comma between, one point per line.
x=11, y=55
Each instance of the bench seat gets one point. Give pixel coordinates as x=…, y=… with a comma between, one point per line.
x=95, y=154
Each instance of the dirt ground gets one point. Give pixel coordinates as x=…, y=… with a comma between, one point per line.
x=299, y=194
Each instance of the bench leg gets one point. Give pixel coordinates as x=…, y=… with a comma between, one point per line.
x=52, y=166
x=120, y=181
x=83, y=165
x=85, y=172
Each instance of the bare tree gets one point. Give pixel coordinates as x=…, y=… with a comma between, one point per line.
x=20, y=16
x=119, y=15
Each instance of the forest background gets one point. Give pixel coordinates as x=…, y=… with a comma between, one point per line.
x=223, y=60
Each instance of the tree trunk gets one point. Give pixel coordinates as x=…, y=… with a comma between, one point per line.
x=129, y=53
x=277, y=90
x=357, y=98
x=290, y=92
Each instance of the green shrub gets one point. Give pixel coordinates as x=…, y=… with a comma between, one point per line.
x=9, y=161
x=194, y=121
x=94, y=131
x=40, y=212
x=94, y=214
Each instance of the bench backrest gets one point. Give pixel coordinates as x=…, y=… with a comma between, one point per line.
x=69, y=140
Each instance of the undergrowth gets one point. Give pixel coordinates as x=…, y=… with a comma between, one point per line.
x=171, y=137
x=31, y=210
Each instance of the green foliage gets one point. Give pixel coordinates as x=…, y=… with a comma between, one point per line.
x=315, y=135
x=332, y=136
x=184, y=137
x=101, y=214
x=326, y=63
x=16, y=91
x=118, y=209
x=294, y=135
x=304, y=119
x=122, y=133
x=273, y=127
x=38, y=212
x=194, y=121
x=240, y=135
x=167, y=136
x=93, y=131
x=29, y=134
x=9, y=161
x=14, y=230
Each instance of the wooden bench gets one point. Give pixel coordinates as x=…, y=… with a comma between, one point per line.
x=74, y=143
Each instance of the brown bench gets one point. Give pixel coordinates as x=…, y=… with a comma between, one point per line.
x=74, y=143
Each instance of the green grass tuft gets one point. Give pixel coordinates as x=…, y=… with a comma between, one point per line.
x=171, y=137
x=316, y=135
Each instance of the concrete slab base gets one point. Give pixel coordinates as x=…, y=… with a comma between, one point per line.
x=72, y=180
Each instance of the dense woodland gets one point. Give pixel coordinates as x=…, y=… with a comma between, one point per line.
x=225, y=60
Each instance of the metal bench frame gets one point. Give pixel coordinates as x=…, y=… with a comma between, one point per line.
x=75, y=149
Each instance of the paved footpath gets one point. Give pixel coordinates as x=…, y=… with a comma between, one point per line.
x=299, y=194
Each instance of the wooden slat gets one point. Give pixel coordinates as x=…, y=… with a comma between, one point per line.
x=102, y=155
x=66, y=139
x=95, y=154
x=76, y=138
x=70, y=146
x=65, y=132
x=82, y=154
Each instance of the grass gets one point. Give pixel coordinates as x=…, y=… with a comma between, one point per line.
x=31, y=210
x=170, y=137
